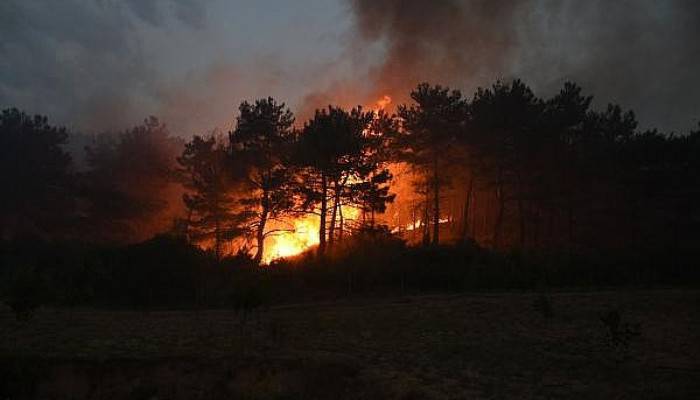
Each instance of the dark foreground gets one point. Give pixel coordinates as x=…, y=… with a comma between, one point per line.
x=435, y=347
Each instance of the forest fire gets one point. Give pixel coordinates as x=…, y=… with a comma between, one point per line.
x=302, y=233
x=286, y=209
x=383, y=102
x=415, y=225
x=302, y=236
x=349, y=199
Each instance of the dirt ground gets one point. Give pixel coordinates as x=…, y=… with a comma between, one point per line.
x=506, y=345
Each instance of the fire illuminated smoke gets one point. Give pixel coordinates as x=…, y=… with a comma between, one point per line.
x=383, y=102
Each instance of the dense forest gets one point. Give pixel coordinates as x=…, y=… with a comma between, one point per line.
x=450, y=192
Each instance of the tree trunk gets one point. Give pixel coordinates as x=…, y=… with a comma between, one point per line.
x=570, y=226
x=342, y=224
x=467, y=206
x=549, y=238
x=498, y=227
x=521, y=209
x=260, y=234
x=521, y=214
x=473, y=229
x=324, y=211
x=217, y=239
x=536, y=226
x=413, y=220
x=436, y=204
x=336, y=201
x=426, y=217
x=188, y=222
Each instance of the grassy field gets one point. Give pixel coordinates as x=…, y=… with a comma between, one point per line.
x=508, y=345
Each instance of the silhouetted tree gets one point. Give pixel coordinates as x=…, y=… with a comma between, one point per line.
x=130, y=187
x=262, y=140
x=562, y=166
x=430, y=127
x=337, y=153
x=369, y=190
x=371, y=194
x=505, y=122
x=206, y=174
x=35, y=174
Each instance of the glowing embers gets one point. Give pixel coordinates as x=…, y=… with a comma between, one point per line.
x=416, y=225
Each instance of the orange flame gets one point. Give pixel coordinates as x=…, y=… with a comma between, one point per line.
x=382, y=103
x=304, y=233
x=301, y=237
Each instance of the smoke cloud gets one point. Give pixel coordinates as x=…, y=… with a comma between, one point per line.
x=83, y=62
x=98, y=65
x=643, y=54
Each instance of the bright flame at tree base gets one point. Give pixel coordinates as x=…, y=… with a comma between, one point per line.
x=304, y=233
x=302, y=236
x=294, y=236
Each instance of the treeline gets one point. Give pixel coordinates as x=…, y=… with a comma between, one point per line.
x=515, y=171
x=544, y=190
x=211, y=190
x=504, y=168
x=267, y=173
x=167, y=272
x=126, y=193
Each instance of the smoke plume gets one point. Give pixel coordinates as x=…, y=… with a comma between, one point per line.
x=643, y=54
x=106, y=65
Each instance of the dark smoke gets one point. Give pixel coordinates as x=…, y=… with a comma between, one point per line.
x=643, y=54
x=95, y=65
x=439, y=41
x=447, y=42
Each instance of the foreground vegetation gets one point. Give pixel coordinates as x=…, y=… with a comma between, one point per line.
x=164, y=318
x=168, y=273
x=408, y=347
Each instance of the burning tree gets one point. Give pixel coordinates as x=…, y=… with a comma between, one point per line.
x=263, y=141
x=369, y=192
x=430, y=127
x=340, y=164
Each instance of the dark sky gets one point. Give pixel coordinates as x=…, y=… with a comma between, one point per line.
x=105, y=64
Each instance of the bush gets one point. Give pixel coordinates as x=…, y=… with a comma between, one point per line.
x=619, y=333
x=24, y=292
x=543, y=305
x=168, y=272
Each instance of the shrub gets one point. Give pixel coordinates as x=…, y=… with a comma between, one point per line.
x=543, y=305
x=25, y=292
x=619, y=333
